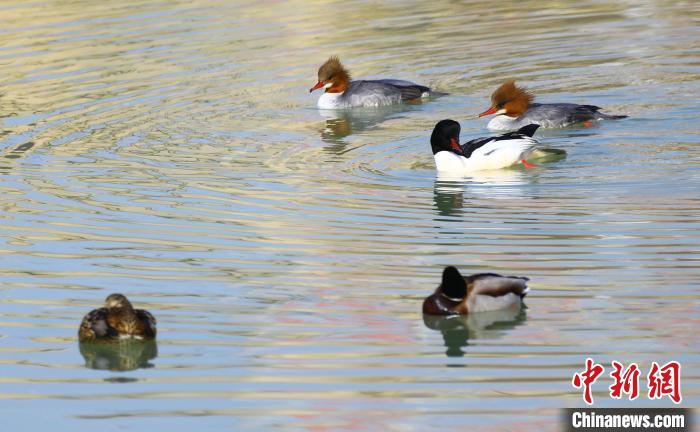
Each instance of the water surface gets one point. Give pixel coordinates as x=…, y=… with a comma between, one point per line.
x=171, y=151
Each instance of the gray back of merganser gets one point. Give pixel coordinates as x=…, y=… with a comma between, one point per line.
x=555, y=115
x=380, y=93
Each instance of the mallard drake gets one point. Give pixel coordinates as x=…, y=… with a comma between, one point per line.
x=117, y=320
x=481, y=292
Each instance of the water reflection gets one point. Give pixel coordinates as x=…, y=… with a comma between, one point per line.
x=448, y=190
x=119, y=356
x=448, y=197
x=18, y=151
x=343, y=123
x=497, y=177
x=458, y=329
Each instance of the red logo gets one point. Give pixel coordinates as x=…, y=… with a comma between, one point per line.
x=587, y=378
x=665, y=381
x=661, y=381
x=627, y=382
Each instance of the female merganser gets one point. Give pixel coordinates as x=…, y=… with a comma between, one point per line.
x=117, y=320
x=515, y=109
x=342, y=92
x=481, y=292
x=480, y=153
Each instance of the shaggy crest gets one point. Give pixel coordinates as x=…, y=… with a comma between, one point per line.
x=332, y=68
x=516, y=100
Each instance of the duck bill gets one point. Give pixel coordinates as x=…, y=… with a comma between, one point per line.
x=454, y=144
x=489, y=111
x=318, y=85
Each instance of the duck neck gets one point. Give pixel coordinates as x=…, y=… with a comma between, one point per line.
x=341, y=82
x=125, y=312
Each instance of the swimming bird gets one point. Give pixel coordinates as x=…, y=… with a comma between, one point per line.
x=515, y=109
x=117, y=320
x=481, y=292
x=481, y=153
x=343, y=92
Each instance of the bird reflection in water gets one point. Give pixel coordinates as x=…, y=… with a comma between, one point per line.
x=458, y=329
x=448, y=191
x=448, y=197
x=345, y=122
x=123, y=355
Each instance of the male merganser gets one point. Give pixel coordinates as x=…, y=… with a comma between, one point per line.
x=117, y=320
x=515, y=109
x=480, y=153
x=342, y=92
x=481, y=292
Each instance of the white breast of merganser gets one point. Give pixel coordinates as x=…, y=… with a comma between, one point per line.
x=332, y=101
x=504, y=122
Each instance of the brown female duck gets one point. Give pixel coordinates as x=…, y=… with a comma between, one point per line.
x=117, y=320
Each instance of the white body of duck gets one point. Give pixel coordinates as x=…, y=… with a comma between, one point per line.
x=481, y=153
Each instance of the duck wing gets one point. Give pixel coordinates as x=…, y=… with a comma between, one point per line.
x=496, y=285
x=525, y=134
x=564, y=113
x=95, y=326
x=148, y=322
x=470, y=146
x=509, y=150
x=408, y=89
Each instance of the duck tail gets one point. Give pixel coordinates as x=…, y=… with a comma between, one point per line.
x=603, y=116
x=437, y=94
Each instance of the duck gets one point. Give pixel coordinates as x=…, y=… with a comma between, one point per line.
x=483, y=153
x=514, y=108
x=482, y=292
x=117, y=320
x=341, y=91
